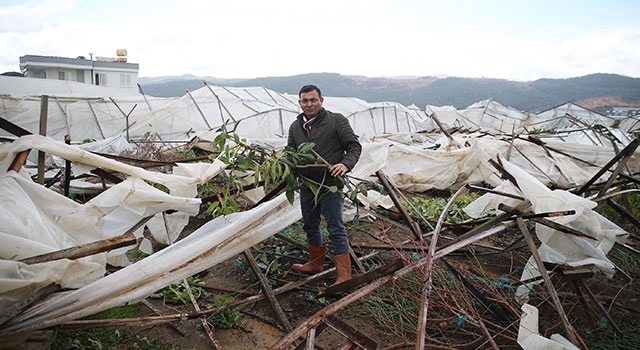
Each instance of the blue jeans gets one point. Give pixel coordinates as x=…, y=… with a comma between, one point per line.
x=331, y=206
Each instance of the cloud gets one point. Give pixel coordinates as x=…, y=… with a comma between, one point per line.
x=33, y=16
x=374, y=38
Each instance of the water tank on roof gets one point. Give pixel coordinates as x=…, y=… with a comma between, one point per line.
x=122, y=55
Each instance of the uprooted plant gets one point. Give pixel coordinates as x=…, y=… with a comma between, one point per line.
x=254, y=165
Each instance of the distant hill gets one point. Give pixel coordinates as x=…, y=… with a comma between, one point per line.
x=533, y=96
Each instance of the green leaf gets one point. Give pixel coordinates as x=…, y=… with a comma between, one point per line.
x=305, y=147
x=274, y=172
x=266, y=174
x=291, y=196
x=256, y=175
x=352, y=195
x=363, y=189
x=279, y=170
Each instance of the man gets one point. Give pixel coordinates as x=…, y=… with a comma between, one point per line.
x=337, y=144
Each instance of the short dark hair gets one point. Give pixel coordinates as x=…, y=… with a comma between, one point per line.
x=309, y=88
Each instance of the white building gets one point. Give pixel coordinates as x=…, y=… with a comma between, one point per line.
x=103, y=71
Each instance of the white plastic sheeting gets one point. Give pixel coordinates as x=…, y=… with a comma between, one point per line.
x=630, y=124
x=384, y=118
x=256, y=113
x=558, y=247
x=223, y=237
x=37, y=220
x=568, y=116
x=415, y=169
x=216, y=241
x=84, y=111
x=466, y=160
x=496, y=118
x=450, y=117
x=529, y=333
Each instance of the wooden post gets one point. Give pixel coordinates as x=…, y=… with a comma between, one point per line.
x=67, y=170
x=401, y=208
x=44, y=111
x=625, y=154
x=571, y=333
x=268, y=291
x=203, y=319
x=430, y=260
x=95, y=116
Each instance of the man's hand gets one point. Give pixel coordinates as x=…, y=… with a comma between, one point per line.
x=338, y=169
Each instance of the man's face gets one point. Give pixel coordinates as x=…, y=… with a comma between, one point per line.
x=310, y=103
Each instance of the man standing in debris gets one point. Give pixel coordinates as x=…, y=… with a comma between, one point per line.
x=338, y=145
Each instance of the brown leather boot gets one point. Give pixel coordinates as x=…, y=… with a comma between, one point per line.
x=316, y=260
x=343, y=267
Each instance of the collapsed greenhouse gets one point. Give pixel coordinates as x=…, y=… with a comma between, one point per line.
x=65, y=204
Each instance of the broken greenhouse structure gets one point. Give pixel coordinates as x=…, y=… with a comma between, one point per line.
x=490, y=148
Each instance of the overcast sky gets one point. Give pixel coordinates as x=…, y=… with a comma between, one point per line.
x=510, y=39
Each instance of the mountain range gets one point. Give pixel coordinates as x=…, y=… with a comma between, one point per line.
x=600, y=91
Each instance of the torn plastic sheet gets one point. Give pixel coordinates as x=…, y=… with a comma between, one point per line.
x=37, y=220
x=529, y=337
x=556, y=247
x=214, y=242
x=176, y=183
x=112, y=145
x=415, y=169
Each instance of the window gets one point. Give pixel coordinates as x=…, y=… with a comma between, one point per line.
x=61, y=76
x=101, y=79
x=125, y=80
x=39, y=74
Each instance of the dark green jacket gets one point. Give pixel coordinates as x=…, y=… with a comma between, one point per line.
x=334, y=140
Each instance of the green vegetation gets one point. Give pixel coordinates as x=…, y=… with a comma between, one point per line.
x=136, y=255
x=607, y=339
x=177, y=293
x=630, y=202
x=433, y=207
x=107, y=337
x=536, y=131
x=295, y=232
x=394, y=308
x=228, y=319
x=623, y=259
x=87, y=141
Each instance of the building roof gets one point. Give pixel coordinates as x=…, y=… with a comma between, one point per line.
x=53, y=61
